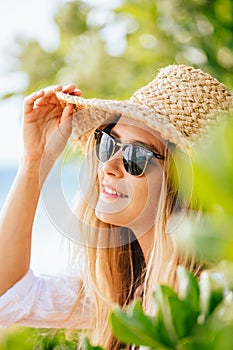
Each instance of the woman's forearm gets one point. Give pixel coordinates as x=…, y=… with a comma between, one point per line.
x=16, y=223
x=46, y=129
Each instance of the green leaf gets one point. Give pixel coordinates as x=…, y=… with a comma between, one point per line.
x=224, y=339
x=211, y=292
x=177, y=316
x=194, y=343
x=134, y=327
x=86, y=345
x=188, y=289
x=162, y=294
x=225, y=273
x=183, y=317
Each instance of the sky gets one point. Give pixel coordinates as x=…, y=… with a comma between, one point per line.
x=33, y=19
x=30, y=19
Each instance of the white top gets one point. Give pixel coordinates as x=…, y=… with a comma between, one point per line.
x=44, y=302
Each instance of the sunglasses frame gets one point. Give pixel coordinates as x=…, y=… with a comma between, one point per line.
x=118, y=145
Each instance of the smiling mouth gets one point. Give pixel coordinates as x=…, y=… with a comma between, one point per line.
x=112, y=193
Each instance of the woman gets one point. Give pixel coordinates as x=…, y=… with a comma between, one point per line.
x=128, y=199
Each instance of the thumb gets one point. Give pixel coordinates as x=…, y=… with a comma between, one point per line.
x=67, y=112
x=65, y=125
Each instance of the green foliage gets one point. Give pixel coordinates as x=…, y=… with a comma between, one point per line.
x=195, y=317
x=188, y=289
x=24, y=338
x=54, y=339
x=133, y=327
x=212, y=186
x=86, y=345
x=201, y=31
x=109, y=51
x=19, y=338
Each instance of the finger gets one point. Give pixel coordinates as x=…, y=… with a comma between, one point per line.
x=69, y=88
x=53, y=88
x=50, y=90
x=77, y=92
x=30, y=100
x=67, y=112
x=48, y=100
x=57, y=88
x=49, y=96
x=72, y=90
x=66, y=121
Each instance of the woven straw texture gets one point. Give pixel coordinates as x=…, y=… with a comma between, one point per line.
x=180, y=103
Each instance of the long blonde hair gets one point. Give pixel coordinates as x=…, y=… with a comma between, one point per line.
x=114, y=266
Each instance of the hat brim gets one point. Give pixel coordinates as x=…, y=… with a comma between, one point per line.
x=91, y=113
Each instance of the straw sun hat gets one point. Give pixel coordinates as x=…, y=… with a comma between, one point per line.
x=180, y=103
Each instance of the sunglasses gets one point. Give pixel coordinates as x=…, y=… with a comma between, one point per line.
x=135, y=157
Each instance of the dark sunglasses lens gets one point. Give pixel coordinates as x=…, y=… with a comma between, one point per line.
x=134, y=159
x=104, y=146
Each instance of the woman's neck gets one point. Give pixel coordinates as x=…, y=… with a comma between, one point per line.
x=146, y=243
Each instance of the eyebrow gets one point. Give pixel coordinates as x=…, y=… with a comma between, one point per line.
x=149, y=146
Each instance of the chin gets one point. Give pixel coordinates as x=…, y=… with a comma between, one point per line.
x=112, y=219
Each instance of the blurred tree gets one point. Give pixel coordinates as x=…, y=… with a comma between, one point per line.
x=202, y=31
x=109, y=51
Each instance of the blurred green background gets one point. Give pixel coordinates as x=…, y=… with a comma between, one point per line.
x=109, y=49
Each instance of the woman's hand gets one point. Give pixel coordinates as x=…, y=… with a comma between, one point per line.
x=46, y=128
x=46, y=125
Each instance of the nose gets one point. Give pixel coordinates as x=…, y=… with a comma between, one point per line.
x=114, y=166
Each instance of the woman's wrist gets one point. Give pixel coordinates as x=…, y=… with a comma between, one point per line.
x=30, y=166
x=36, y=167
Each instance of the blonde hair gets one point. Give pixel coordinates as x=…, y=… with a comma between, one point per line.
x=114, y=266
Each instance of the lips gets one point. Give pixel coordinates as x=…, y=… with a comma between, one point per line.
x=111, y=192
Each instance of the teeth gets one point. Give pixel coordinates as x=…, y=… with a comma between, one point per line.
x=110, y=191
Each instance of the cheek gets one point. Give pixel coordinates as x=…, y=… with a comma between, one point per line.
x=145, y=195
x=145, y=201
x=150, y=187
x=140, y=195
x=99, y=176
x=141, y=206
x=147, y=198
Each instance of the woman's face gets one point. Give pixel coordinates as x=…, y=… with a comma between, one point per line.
x=125, y=199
